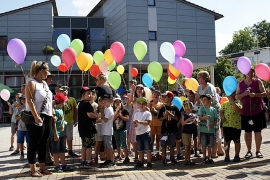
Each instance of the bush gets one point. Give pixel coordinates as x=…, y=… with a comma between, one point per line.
x=48, y=48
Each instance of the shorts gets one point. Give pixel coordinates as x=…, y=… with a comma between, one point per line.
x=186, y=139
x=179, y=133
x=21, y=135
x=195, y=132
x=13, y=128
x=155, y=130
x=98, y=135
x=88, y=142
x=108, y=141
x=69, y=132
x=232, y=134
x=58, y=146
x=207, y=139
x=144, y=142
x=121, y=138
x=217, y=135
x=258, y=120
x=170, y=141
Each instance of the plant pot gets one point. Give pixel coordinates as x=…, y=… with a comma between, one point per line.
x=48, y=51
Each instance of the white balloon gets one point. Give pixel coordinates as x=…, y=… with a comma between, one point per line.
x=168, y=52
x=148, y=94
x=5, y=94
x=55, y=60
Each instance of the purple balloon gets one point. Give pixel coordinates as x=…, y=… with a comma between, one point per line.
x=186, y=67
x=244, y=65
x=176, y=61
x=180, y=48
x=16, y=50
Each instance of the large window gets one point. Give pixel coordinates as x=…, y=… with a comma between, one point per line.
x=151, y=2
x=152, y=35
x=3, y=43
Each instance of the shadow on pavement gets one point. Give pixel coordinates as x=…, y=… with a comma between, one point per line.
x=170, y=174
x=204, y=175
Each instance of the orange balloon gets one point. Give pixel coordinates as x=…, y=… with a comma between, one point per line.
x=108, y=57
x=82, y=61
x=223, y=100
x=174, y=71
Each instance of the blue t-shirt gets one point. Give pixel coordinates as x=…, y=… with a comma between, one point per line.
x=203, y=111
x=60, y=123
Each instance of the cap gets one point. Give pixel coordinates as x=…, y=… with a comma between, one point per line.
x=59, y=98
x=156, y=91
x=208, y=96
x=84, y=89
x=127, y=95
x=133, y=81
x=140, y=85
x=118, y=98
x=109, y=96
x=64, y=88
x=169, y=94
x=141, y=99
x=180, y=91
x=102, y=90
x=189, y=103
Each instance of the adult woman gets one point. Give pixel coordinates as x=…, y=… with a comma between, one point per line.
x=251, y=91
x=206, y=87
x=39, y=98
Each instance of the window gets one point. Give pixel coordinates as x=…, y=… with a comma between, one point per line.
x=151, y=2
x=152, y=35
x=3, y=42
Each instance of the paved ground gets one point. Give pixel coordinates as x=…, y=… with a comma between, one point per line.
x=12, y=168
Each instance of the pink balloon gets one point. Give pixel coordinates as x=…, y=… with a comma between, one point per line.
x=5, y=94
x=180, y=48
x=117, y=51
x=103, y=66
x=16, y=50
x=244, y=65
x=69, y=57
x=185, y=66
x=263, y=71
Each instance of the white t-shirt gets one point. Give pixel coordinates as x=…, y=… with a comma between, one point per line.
x=107, y=127
x=142, y=116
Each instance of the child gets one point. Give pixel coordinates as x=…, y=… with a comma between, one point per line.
x=187, y=120
x=58, y=136
x=98, y=136
x=208, y=119
x=141, y=122
x=231, y=118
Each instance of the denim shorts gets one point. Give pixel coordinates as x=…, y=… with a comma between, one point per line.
x=144, y=142
x=207, y=139
x=21, y=135
x=108, y=141
x=58, y=146
x=170, y=141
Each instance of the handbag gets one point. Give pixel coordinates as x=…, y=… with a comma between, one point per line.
x=27, y=116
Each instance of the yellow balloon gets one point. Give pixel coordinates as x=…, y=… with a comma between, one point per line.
x=183, y=98
x=192, y=84
x=108, y=57
x=90, y=62
x=82, y=61
x=174, y=71
x=170, y=81
x=120, y=69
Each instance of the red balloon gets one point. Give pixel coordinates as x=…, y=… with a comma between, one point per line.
x=69, y=56
x=62, y=67
x=94, y=70
x=134, y=72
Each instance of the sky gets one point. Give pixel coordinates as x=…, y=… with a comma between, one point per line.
x=237, y=14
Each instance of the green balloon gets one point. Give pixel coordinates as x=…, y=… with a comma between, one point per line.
x=112, y=66
x=155, y=70
x=98, y=57
x=140, y=50
x=114, y=80
x=77, y=45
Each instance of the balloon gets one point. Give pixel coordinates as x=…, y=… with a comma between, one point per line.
x=108, y=57
x=229, y=85
x=62, y=67
x=112, y=66
x=63, y=42
x=103, y=66
x=171, y=75
x=262, y=71
x=98, y=57
x=55, y=60
x=140, y=50
x=177, y=102
x=120, y=69
x=82, y=61
x=134, y=72
x=16, y=50
x=183, y=98
x=192, y=84
x=177, y=59
x=114, y=80
x=90, y=62
x=77, y=45
x=117, y=51
x=174, y=71
x=223, y=100
x=170, y=81
x=244, y=65
x=5, y=94
x=155, y=70
x=94, y=70
x=168, y=52
x=186, y=67
x=180, y=48
x=147, y=80
x=148, y=94
x=69, y=57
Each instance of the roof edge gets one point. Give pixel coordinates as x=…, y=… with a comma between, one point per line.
x=96, y=8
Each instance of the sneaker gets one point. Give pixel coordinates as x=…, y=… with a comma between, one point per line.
x=236, y=159
x=180, y=157
x=192, y=151
x=200, y=150
x=107, y=162
x=58, y=169
x=227, y=159
x=15, y=152
x=197, y=155
x=11, y=148
x=222, y=140
x=165, y=162
x=210, y=161
x=72, y=154
x=127, y=160
x=118, y=158
x=22, y=157
x=83, y=163
x=139, y=164
x=204, y=160
x=173, y=161
x=149, y=165
x=89, y=164
x=66, y=168
x=112, y=164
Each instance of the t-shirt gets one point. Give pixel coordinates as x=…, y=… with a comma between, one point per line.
x=232, y=117
x=169, y=125
x=86, y=125
x=68, y=110
x=107, y=127
x=203, y=111
x=95, y=106
x=155, y=121
x=118, y=123
x=142, y=116
x=60, y=123
x=210, y=89
x=21, y=124
x=187, y=128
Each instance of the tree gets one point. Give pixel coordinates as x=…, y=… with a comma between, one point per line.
x=262, y=30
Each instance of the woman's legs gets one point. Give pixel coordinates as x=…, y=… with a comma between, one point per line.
x=258, y=140
x=248, y=138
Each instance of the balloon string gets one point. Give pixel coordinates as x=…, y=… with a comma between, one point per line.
x=69, y=74
x=158, y=86
x=26, y=81
x=82, y=78
x=124, y=81
x=141, y=72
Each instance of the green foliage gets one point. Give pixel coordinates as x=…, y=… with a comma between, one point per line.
x=48, y=48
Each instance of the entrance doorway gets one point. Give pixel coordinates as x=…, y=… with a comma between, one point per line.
x=80, y=34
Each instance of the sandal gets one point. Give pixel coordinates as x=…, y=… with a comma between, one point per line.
x=45, y=172
x=35, y=174
x=248, y=155
x=259, y=154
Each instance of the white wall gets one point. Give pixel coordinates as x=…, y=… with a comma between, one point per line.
x=263, y=57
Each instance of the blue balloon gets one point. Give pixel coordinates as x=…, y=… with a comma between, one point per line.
x=147, y=80
x=229, y=85
x=177, y=102
x=63, y=42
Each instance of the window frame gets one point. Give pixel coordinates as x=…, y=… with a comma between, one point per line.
x=154, y=3
x=150, y=39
